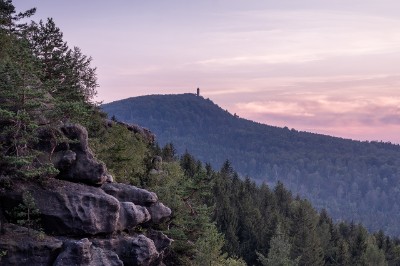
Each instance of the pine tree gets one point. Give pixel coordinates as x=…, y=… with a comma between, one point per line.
x=23, y=106
x=306, y=244
x=26, y=213
x=168, y=152
x=343, y=253
x=49, y=47
x=373, y=256
x=279, y=252
x=9, y=20
x=226, y=208
x=67, y=73
x=358, y=243
x=209, y=250
x=124, y=153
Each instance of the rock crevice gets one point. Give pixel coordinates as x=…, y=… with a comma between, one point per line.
x=86, y=217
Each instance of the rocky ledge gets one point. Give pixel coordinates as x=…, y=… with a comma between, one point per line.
x=87, y=219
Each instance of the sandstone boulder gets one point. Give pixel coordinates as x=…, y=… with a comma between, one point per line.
x=132, y=215
x=67, y=148
x=128, y=193
x=83, y=253
x=159, y=212
x=82, y=202
x=160, y=240
x=68, y=208
x=27, y=248
x=132, y=250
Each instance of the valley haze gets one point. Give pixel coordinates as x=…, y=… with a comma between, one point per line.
x=320, y=66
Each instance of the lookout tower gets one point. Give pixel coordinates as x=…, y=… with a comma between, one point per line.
x=198, y=92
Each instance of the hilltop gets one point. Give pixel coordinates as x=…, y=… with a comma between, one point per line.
x=79, y=189
x=355, y=181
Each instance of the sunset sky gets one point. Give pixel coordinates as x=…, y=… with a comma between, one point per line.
x=331, y=67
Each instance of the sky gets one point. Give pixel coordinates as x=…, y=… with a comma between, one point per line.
x=330, y=67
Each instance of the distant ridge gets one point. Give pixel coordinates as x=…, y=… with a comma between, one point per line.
x=353, y=180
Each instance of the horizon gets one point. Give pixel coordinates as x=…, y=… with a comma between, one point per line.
x=194, y=94
x=327, y=68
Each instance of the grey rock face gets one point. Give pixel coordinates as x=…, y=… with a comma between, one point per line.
x=83, y=253
x=70, y=208
x=128, y=193
x=23, y=248
x=132, y=215
x=81, y=202
x=159, y=212
x=85, y=168
x=160, y=240
x=132, y=250
x=68, y=149
x=76, y=209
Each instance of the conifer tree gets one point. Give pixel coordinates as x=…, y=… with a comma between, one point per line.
x=9, y=20
x=209, y=250
x=67, y=73
x=26, y=213
x=373, y=256
x=306, y=244
x=22, y=108
x=225, y=214
x=343, y=254
x=279, y=252
x=50, y=49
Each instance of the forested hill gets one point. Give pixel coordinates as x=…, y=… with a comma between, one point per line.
x=356, y=181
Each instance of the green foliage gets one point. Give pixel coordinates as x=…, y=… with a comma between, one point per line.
x=373, y=256
x=42, y=82
x=26, y=213
x=279, y=251
x=216, y=216
x=353, y=180
x=209, y=250
x=189, y=218
x=22, y=107
x=249, y=216
x=66, y=73
x=209, y=247
x=306, y=243
x=124, y=153
x=9, y=20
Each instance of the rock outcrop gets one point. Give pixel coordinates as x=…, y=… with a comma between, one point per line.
x=146, y=134
x=68, y=149
x=86, y=218
x=83, y=253
x=20, y=247
x=134, y=250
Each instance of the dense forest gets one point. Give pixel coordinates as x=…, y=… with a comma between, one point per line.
x=220, y=219
x=217, y=218
x=353, y=180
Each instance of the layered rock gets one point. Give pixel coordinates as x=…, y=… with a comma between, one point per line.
x=129, y=193
x=90, y=218
x=132, y=250
x=83, y=253
x=68, y=149
x=21, y=247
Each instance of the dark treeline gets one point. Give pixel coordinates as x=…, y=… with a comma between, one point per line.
x=217, y=219
x=352, y=180
x=257, y=223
